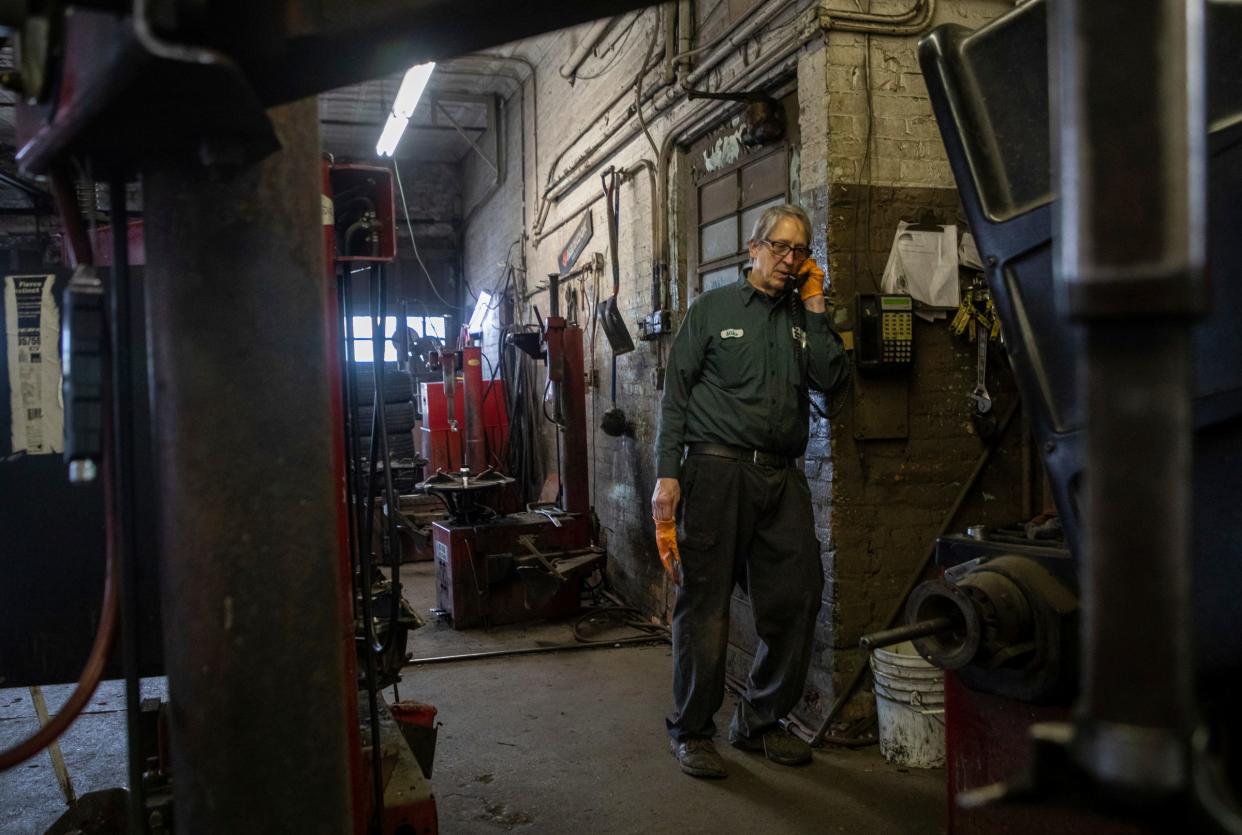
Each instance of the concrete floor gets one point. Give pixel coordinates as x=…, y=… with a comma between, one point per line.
x=540, y=744
x=93, y=748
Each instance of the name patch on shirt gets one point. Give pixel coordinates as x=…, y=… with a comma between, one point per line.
x=731, y=333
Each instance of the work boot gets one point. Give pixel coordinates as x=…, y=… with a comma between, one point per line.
x=778, y=746
x=698, y=758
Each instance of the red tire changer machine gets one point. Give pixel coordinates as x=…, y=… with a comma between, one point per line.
x=493, y=569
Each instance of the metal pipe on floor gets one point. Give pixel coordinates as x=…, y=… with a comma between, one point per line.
x=249, y=562
x=505, y=653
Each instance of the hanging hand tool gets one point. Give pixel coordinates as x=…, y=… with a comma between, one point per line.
x=614, y=422
x=983, y=400
x=609, y=315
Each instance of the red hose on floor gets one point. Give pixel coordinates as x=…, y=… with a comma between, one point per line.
x=87, y=682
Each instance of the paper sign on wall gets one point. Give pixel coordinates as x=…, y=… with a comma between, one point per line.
x=32, y=334
x=923, y=263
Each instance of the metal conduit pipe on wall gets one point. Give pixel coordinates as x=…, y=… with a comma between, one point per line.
x=626, y=174
x=496, y=116
x=545, y=204
x=657, y=267
x=534, y=96
x=913, y=22
x=534, y=122
x=748, y=25
x=672, y=20
x=782, y=60
x=685, y=36
x=690, y=128
x=542, y=213
x=721, y=48
x=583, y=49
x=610, y=145
x=908, y=16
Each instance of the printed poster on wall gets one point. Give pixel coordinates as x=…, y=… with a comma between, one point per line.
x=32, y=333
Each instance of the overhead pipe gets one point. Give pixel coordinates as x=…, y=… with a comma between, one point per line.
x=690, y=126
x=657, y=267
x=707, y=114
x=545, y=204
x=570, y=217
x=594, y=156
x=721, y=48
x=913, y=21
x=496, y=116
x=922, y=15
x=879, y=18
x=600, y=115
x=685, y=36
x=534, y=121
x=659, y=220
x=671, y=23
x=589, y=41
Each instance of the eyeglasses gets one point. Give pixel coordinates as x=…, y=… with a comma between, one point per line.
x=780, y=249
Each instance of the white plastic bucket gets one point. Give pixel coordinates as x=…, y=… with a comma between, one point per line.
x=909, y=698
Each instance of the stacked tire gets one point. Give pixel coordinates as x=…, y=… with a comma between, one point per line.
x=398, y=410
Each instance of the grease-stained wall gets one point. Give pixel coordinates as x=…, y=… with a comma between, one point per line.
x=878, y=503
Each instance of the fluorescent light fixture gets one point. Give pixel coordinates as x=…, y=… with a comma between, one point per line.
x=480, y=312
x=411, y=91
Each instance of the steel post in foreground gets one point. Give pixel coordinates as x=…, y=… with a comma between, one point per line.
x=1131, y=152
x=248, y=492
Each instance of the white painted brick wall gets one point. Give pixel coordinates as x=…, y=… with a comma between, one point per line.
x=906, y=148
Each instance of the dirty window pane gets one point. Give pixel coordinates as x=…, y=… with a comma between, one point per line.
x=720, y=277
x=763, y=178
x=718, y=199
x=752, y=214
x=719, y=239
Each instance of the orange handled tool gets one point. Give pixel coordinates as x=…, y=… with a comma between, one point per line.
x=666, y=542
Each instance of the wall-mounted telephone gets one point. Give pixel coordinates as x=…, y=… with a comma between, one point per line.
x=884, y=327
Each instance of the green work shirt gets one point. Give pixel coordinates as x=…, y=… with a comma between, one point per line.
x=734, y=376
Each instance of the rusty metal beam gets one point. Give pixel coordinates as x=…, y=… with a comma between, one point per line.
x=247, y=497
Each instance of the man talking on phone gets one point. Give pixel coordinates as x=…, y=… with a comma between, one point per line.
x=733, y=424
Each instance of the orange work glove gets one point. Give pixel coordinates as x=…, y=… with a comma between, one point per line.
x=812, y=278
x=666, y=543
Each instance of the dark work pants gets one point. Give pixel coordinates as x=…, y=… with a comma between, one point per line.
x=743, y=523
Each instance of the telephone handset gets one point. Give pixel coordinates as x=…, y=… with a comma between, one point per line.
x=794, y=281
